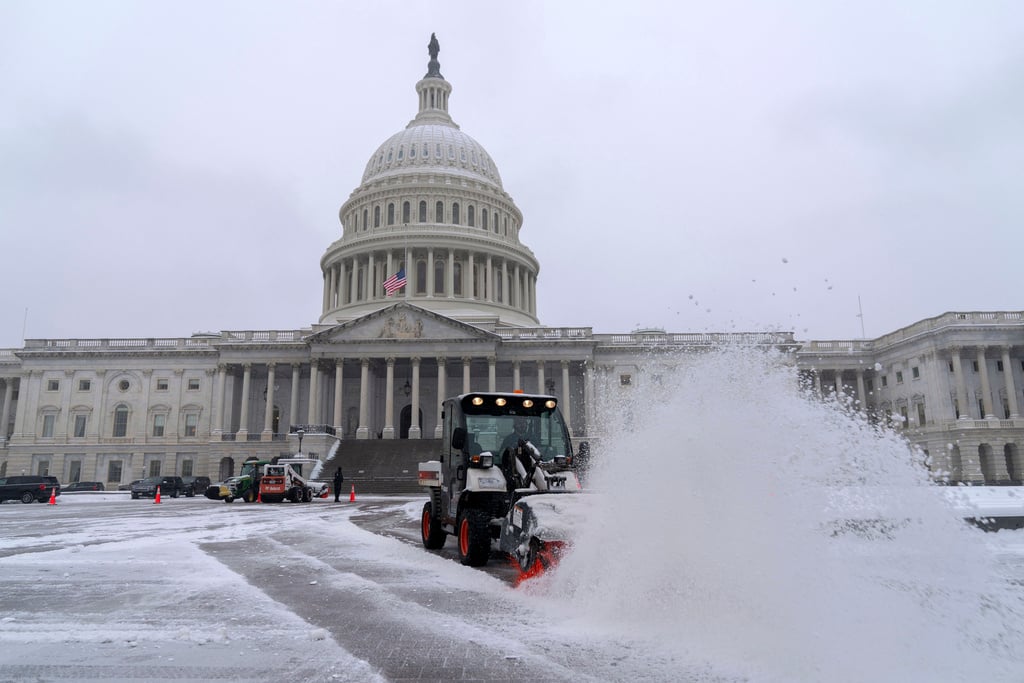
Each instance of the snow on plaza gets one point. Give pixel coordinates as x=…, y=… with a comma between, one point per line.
x=810, y=548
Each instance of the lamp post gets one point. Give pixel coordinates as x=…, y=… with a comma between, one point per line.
x=301, y=433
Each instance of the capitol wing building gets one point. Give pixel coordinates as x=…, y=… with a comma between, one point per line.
x=429, y=292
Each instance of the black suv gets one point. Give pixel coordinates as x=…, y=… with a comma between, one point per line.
x=169, y=486
x=28, y=488
x=194, y=485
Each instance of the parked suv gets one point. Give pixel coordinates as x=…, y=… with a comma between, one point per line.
x=28, y=488
x=194, y=485
x=169, y=486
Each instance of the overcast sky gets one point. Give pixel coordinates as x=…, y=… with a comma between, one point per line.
x=173, y=167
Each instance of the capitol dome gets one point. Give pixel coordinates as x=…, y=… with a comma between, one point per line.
x=426, y=147
x=431, y=208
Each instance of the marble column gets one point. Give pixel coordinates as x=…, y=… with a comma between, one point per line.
x=1011, y=391
x=565, y=403
x=389, y=401
x=293, y=408
x=540, y=378
x=492, y=382
x=268, y=408
x=986, y=388
x=339, y=414
x=442, y=391
x=363, y=431
x=961, y=385
x=313, y=415
x=414, y=423
x=467, y=365
x=517, y=382
x=243, y=420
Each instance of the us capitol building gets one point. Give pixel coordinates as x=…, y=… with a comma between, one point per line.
x=431, y=209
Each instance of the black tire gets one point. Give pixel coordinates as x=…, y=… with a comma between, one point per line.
x=248, y=496
x=174, y=493
x=190, y=493
x=28, y=497
x=474, y=536
x=307, y=495
x=432, y=532
x=229, y=499
x=135, y=496
x=529, y=558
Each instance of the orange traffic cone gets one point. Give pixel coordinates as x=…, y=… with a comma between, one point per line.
x=259, y=494
x=53, y=496
x=352, y=496
x=157, y=499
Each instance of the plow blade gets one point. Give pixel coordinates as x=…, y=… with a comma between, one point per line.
x=539, y=529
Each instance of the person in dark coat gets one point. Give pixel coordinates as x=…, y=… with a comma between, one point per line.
x=339, y=479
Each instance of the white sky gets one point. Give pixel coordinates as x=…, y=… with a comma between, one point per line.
x=171, y=167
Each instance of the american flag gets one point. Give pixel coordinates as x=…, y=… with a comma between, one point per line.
x=395, y=282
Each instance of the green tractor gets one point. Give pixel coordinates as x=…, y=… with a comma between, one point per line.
x=245, y=486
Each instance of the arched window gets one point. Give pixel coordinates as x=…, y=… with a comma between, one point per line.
x=120, y=421
x=406, y=212
x=455, y=213
x=423, y=212
x=438, y=277
x=376, y=216
x=366, y=221
x=439, y=212
x=412, y=151
x=471, y=216
x=451, y=152
x=401, y=152
x=421, y=277
x=391, y=213
x=458, y=279
x=483, y=218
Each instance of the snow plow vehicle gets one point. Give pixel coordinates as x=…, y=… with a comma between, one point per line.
x=283, y=479
x=243, y=486
x=506, y=472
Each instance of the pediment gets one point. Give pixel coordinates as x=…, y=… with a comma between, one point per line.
x=401, y=322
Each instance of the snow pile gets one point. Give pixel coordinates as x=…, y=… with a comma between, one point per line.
x=724, y=537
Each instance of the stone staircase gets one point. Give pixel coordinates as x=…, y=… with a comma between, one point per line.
x=382, y=466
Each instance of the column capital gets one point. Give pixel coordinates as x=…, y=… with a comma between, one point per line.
x=466, y=360
x=415, y=360
x=391, y=361
x=296, y=366
x=210, y=372
x=441, y=361
x=516, y=363
x=314, y=363
x=178, y=372
x=364, y=361
x=492, y=360
x=565, y=363
x=271, y=365
x=247, y=366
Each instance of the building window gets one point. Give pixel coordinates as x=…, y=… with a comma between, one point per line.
x=981, y=408
x=412, y=151
x=951, y=366
x=483, y=218
x=154, y=468
x=458, y=279
x=471, y=216
x=158, y=424
x=186, y=465
x=376, y=216
x=121, y=421
x=401, y=152
x=114, y=471
x=899, y=377
x=1006, y=409
x=391, y=213
x=75, y=470
x=455, y=213
x=406, y=212
x=625, y=380
x=956, y=408
x=451, y=152
x=48, y=421
x=920, y=414
x=869, y=385
x=84, y=385
x=439, y=277
x=53, y=385
x=366, y=219
x=161, y=385
x=80, y=422
x=123, y=385
x=903, y=415
x=439, y=212
x=191, y=421
x=885, y=381
x=423, y=212
x=999, y=366
x=915, y=372
x=43, y=469
x=193, y=384
x=421, y=277
x=974, y=364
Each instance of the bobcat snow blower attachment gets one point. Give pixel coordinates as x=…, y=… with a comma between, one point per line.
x=506, y=473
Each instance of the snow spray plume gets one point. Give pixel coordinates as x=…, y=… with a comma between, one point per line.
x=772, y=535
